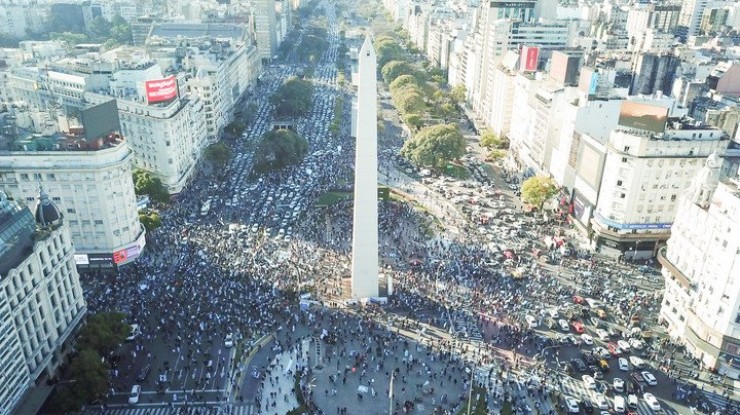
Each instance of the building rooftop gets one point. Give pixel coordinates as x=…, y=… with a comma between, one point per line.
x=197, y=30
x=29, y=141
x=17, y=228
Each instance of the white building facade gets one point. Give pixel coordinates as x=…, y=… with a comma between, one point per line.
x=41, y=301
x=95, y=192
x=644, y=174
x=701, y=304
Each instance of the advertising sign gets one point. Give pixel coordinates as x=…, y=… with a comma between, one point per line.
x=631, y=226
x=528, y=58
x=130, y=252
x=81, y=259
x=643, y=116
x=160, y=90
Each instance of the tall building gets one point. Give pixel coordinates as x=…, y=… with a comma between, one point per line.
x=265, y=28
x=41, y=300
x=690, y=18
x=701, y=264
x=86, y=165
x=650, y=161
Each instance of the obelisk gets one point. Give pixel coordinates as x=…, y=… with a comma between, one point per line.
x=365, y=214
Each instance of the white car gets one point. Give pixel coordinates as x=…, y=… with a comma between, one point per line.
x=602, y=334
x=636, y=344
x=587, y=339
x=601, y=402
x=618, y=384
x=133, y=398
x=624, y=364
x=651, y=401
x=625, y=346
x=649, y=378
x=602, y=352
x=553, y=313
x=589, y=381
x=637, y=362
x=229, y=340
x=563, y=325
x=572, y=405
x=619, y=404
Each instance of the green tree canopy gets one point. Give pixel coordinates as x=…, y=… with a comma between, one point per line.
x=388, y=50
x=402, y=82
x=218, y=153
x=293, y=98
x=312, y=46
x=146, y=183
x=103, y=332
x=409, y=100
x=458, y=93
x=394, y=69
x=278, y=149
x=537, y=190
x=490, y=140
x=90, y=376
x=435, y=146
x=150, y=220
x=236, y=127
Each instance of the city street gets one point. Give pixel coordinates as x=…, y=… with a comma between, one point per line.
x=485, y=294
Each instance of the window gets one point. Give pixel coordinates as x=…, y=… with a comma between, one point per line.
x=24, y=176
x=621, y=196
x=70, y=210
x=619, y=182
x=624, y=159
x=98, y=222
x=673, y=198
x=626, y=148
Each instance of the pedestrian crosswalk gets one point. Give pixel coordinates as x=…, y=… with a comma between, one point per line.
x=177, y=410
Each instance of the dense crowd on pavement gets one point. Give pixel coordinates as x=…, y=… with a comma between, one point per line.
x=226, y=272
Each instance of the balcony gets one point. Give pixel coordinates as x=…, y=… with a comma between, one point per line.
x=679, y=276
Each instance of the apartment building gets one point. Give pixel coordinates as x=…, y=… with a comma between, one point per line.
x=650, y=161
x=701, y=304
x=41, y=301
x=86, y=165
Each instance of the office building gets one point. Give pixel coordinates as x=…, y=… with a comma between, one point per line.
x=265, y=28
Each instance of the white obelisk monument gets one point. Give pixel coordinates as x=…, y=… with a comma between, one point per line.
x=365, y=219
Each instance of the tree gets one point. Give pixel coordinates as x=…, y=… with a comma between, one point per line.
x=496, y=154
x=218, y=153
x=235, y=128
x=394, y=69
x=99, y=28
x=103, y=332
x=490, y=140
x=409, y=100
x=387, y=49
x=537, y=190
x=402, y=82
x=151, y=220
x=435, y=146
x=146, y=183
x=458, y=93
x=293, y=98
x=90, y=376
x=415, y=120
x=278, y=149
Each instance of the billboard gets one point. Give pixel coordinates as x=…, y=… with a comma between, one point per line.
x=100, y=120
x=159, y=90
x=81, y=259
x=130, y=252
x=643, y=116
x=528, y=58
x=631, y=226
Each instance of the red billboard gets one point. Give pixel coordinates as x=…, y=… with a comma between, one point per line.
x=159, y=90
x=528, y=58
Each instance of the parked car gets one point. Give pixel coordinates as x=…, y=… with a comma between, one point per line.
x=624, y=364
x=649, y=378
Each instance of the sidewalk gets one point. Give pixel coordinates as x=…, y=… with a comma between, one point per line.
x=278, y=396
